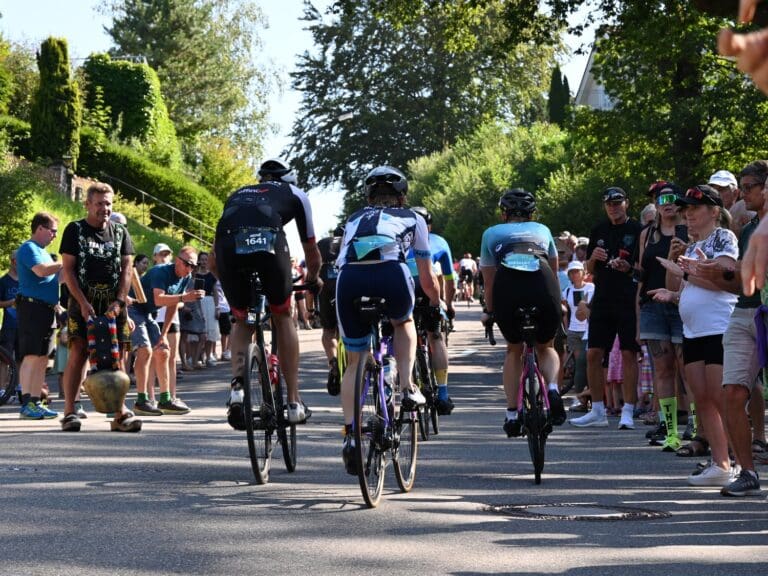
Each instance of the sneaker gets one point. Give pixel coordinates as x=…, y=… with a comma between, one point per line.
x=658, y=434
x=70, y=423
x=226, y=355
x=711, y=476
x=173, y=406
x=590, y=420
x=626, y=422
x=412, y=398
x=235, y=406
x=512, y=427
x=688, y=434
x=556, y=408
x=745, y=485
x=334, y=379
x=147, y=408
x=80, y=411
x=671, y=444
x=445, y=406
x=31, y=411
x=349, y=455
x=210, y=362
x=298, y=412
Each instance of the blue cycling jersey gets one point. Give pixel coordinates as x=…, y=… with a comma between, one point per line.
x=440, y=254
x=517, y=245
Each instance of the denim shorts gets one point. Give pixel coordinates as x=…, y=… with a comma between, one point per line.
x=660, y=321
x=147, y=331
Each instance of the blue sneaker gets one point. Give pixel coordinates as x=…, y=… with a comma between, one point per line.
x=31, y=411
x=47, y=412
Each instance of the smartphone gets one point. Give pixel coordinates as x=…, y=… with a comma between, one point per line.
x=577, y=297
x=681, y=232
x=199, y=284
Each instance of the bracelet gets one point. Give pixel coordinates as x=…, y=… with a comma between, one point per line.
x=685, y=276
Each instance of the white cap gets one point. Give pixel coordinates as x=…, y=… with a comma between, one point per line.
x=574, y=265
x=161, y=248
x=723, y=178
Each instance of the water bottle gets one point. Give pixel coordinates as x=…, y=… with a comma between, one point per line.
x=390, y=375
x=273, y=373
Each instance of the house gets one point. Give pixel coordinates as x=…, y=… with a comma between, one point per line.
x=591, y=93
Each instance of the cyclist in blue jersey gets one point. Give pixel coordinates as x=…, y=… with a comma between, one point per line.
x=518, y=260
x=441, y=255
x=372, y=263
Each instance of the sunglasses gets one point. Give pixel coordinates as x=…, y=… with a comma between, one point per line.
x=53, y=231
x=745, y=188
x=665, y=199
x=613, y=202
x=187, y=262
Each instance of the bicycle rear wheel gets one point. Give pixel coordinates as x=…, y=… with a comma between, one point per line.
x=425, y=368
x=369, y=432
x=422, y=382
x=569, y=373
x=286, y=432
x=406, y=449
x=534, y=419
x=9, y=376
x=258, y=409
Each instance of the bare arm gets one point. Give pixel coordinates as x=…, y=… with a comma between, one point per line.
x=428, y=280
x=312, y=259
x=489, y=274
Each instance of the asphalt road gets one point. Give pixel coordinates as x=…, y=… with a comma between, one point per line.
x=179, y=497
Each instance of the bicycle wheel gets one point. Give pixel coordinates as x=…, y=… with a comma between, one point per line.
x=258, y=404
x=569, y=373
x=430, y=390
x=405, y=450
x=534, y=421
x=286, y=432
x=422, y=383
x=369, y=432
x=9, y=376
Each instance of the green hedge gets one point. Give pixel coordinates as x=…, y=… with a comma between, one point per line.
x=19, y=135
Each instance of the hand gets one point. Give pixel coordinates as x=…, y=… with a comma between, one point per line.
x=671, y=266
x=114, y=309
x=197, y=294
x=487, y=319
x=131, y=325
x=86, y=310
x=599, y=255
x=450, y=311
x=663, y=295
x=620, y=264
x=676, y=249
x=747, y=10
x=582, y=311
x=314, y=285
x=750, y=51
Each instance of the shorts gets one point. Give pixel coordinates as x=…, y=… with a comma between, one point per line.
x=209, y=313
x=422, y=308
x=274, y=271
x=741, y=361
x=225, y=323
x=389, y=280
x=660, y=321
x=575, y=341
x=35, y=328
x=707, y=349
x=173, y=329
x=466, y=275
x=147, y=330
x=609, y=319
x=78, y=327
x=326, y=304
x=513, y=289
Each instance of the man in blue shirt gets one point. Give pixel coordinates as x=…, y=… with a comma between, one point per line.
x=164, y=285
x=38, y=294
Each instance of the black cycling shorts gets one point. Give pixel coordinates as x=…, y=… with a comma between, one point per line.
x=707, y=349
x=326, y=305
x=513, y=289
x=274, y=271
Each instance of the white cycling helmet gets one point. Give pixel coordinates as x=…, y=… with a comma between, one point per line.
x=277, y=169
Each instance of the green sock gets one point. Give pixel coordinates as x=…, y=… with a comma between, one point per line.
x=692, y=418
x=141, y=398
x=165, y=396
x=669, y=409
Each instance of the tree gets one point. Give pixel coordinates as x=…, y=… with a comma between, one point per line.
x=223, y=169
x=559, y=97
x=21, y=65
x=374, y=93
x=202, y=51
x=56, y=111
x=6, y=80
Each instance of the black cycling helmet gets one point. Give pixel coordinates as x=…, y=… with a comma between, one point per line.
x=385, y=180
x=277, y=169
x=517, y=202
x=424, y=213
x=338, y=232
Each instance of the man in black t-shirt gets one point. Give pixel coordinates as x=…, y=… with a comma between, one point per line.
x=611, y=256
x=96, y=257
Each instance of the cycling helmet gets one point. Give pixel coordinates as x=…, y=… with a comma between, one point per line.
x=385, y=180
x=277, y=169
x=517, y=202
x=424, y=213
x=338, y=232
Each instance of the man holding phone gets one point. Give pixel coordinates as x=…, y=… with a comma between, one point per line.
x=164, y=285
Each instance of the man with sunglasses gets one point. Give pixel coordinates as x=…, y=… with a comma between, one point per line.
x=165, y=285
x=97, y=260
x=611, y=257
x=733, y=199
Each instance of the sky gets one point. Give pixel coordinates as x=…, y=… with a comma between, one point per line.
x=31, y=21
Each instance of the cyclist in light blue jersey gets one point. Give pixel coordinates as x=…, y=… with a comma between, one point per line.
x=518, y=260
x=441, y=255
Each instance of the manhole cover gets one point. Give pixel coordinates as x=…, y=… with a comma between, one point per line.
x=590, y=512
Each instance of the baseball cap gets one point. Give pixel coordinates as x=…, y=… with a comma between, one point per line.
x=574, y=265
x=700, y=195
x=723, y=178
x=161, y=248
x=582, y=241
x=614, y=193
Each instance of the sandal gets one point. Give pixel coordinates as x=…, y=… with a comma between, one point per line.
x=697, y=448
x=70, y=423
x=126, y=422
x=758, y=446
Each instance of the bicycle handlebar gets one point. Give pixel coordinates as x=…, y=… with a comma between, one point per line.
x=489, y=334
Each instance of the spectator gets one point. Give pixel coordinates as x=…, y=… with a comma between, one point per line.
x=578, y=291
x=9, y=287
x=225, y=323
x=705, y=310
x=38, y=295
x=725, y=183
x=162, y=254
x=96, y=255
x=611, y=257
x=209, y=308
x=647, y=215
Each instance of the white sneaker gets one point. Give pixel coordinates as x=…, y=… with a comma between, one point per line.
x=626, y=422
x=298, y=412
x=414, y=396
x=711, y=476
x=236, y=396
x=590, y=420
x=227, y=355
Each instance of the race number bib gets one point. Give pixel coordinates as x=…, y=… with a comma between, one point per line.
x=252, y=240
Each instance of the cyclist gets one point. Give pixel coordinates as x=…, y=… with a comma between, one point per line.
x=467, y=273
x=441, y=255
x=518, y=260
x=250, y=236
x=372, y=263
x=326, y=303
